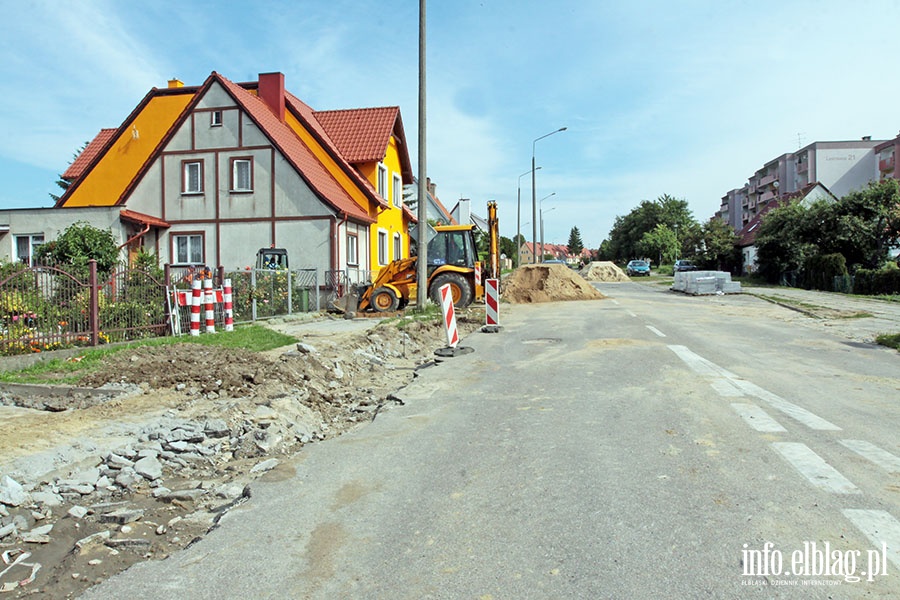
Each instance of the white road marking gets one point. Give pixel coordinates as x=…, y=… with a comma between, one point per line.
x=700, y=365
x=757, y=418
x=789, y=408
x=656, y=331
x=709, y=369
x=814, y=468
x=631, y=313
x=882, y=458
x=725, y=387
x=616, y=302
x=880, y=527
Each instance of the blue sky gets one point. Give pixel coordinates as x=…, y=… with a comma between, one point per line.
x=685, y=98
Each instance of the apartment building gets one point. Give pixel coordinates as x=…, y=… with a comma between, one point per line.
x=842, y=167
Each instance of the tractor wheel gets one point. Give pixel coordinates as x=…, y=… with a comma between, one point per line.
x=384, y=300
x=460, y=289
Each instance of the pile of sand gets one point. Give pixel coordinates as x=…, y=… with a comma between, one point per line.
x=603, y=271
x=547, y=283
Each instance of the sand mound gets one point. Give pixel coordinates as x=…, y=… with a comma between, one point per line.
x=547, y=283
x=603, y=271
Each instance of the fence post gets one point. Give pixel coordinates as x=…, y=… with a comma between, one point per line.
x=94, y=318
x=253, y=295
x=290, y=295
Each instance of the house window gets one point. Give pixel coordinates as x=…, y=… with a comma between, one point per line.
x=352, y=249
x=397, y=191
x=26, y=246
x=215, y=118
x=241, y=175
x=192, y=177
x=382, y=247
x=382, y=180
x=188, y=249
x=398, y=247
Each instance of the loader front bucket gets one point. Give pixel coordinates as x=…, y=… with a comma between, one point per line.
x=348, y=303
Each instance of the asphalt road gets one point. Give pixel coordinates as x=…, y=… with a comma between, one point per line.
x=649, y=445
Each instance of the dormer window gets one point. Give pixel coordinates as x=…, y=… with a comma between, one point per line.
x=215, y=118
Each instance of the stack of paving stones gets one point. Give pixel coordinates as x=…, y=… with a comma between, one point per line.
x=700, y=283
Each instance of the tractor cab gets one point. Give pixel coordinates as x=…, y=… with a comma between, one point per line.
x=272, y=258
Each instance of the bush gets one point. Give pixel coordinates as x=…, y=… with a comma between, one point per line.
x=881, y=281
x=820, y=270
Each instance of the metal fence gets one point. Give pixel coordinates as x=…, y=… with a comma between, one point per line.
x=46, y=307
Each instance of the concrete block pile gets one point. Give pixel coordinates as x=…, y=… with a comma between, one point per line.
x=699, y=283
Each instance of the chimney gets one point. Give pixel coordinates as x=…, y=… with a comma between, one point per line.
x=271, y=91
x=867, y=138
x=175, y=83
x=432, y=187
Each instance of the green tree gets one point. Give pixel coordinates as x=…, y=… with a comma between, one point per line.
x=660, y=243
x=628, y=231
x=782, y=244
x=80, y=243
x=575, y=245
x=861, y=226
x=507, y=247
x=718, y=249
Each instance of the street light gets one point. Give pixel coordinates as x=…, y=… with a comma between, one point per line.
x=541, y=210
x=519, y=217
x=534, y=208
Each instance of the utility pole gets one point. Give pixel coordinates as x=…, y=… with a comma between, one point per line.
x=422, y=260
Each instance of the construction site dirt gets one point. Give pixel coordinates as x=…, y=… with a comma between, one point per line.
x=149, y=453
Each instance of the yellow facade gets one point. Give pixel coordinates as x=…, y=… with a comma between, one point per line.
x=390, y=220
x=118, y=167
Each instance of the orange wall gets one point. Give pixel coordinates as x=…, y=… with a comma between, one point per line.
x=106, y=182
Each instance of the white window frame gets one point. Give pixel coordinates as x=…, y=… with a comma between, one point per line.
x=235, y=174
x=193, y=241
x=382, y=180
x=398, y=246
x=397, y=190
x=186, y=168
x=352, y=249
x=382, y=247
x=215, y=118
x=33, y=241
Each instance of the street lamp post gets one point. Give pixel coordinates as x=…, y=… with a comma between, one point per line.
x=519, y=218
x=541, y=211
x=542, y=231
x=534, y=208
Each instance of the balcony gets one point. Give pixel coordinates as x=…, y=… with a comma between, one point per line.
x=886, y=164
x=766, y=196
x=802, y=167
x=767, y=180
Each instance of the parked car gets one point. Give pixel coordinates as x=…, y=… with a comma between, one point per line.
x=683, y=265
x=637, y=267
x=554, y=261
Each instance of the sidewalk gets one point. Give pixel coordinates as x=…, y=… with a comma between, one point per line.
x=838, y=312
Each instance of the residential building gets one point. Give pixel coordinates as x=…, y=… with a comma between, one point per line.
x=435, y=210
x=811, y=192
x=558, y=251
x=886, y=153
x=210, y=174
x=842, y=167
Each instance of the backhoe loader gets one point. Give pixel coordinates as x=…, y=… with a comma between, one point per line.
x=452, y=259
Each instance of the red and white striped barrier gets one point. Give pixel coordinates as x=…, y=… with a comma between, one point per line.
x=195, y=307
x=449, y=316
x=229, y=307
x=209, y=301
x=492, y=302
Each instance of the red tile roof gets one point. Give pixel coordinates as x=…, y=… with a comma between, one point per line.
x=142, y=219
x=361, y=134
x=296, y=152
x=83, y=160
x=306, y=115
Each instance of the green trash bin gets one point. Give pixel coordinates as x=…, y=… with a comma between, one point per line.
x=304, y=300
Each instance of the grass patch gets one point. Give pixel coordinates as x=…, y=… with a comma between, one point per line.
x=431, y=312
x=789, y=302
x=857, y=315
x=255, y=338
x=891, y=340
